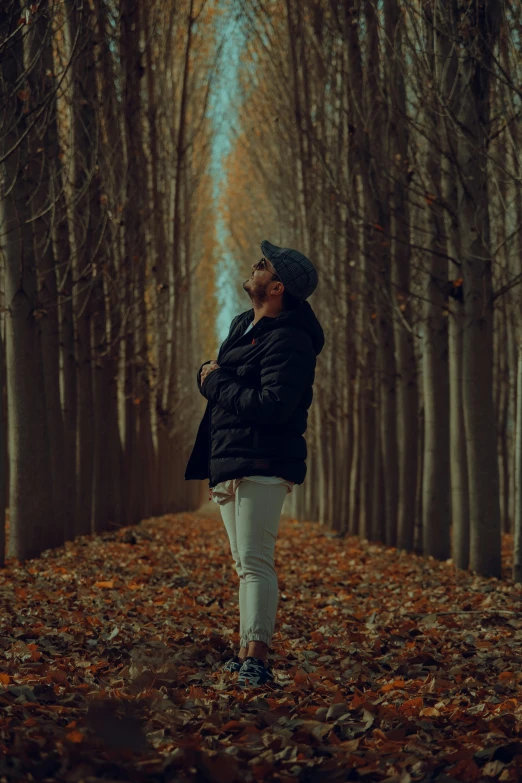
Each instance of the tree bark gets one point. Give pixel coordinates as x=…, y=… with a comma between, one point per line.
x=475, y=62
x=30, y=507
x=44, y=151
x=407, y=394
x=86, y=234
x=517, y=522
x=436, y=475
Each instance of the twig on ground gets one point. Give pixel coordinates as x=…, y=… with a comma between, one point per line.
x=178, y=561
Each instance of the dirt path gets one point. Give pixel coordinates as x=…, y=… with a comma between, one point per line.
x=388, y=666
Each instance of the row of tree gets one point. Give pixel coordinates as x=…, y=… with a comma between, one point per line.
x=383, y=140
x=106, y=244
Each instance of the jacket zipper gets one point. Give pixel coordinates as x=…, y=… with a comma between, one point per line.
x=250, y=335
x=210, y=415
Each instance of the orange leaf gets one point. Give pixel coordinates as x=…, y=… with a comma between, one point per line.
x=358, y=699
x=4, y=678
x=430, y=712
x=411, y=705
x=59, y=676
x=509, y=705
x=339, y=697
x=35, y=653
x=391, y=685
x=107, y=585
x=195, y=692
x=234, y=725
x=75, y=736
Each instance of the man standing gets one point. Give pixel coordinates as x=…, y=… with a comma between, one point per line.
x=250, y=442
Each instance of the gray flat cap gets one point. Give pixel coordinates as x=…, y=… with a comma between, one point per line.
x=297, y=273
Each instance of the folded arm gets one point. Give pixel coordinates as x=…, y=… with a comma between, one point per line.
x=198, y=376
x=286, y=370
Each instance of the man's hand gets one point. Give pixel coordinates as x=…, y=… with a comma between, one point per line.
x=207, y=368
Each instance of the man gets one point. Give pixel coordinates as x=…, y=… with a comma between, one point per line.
x=250, y=442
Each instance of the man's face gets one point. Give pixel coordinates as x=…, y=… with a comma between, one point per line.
x=258, y=284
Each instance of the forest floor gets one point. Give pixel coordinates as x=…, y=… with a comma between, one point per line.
x=389, y=667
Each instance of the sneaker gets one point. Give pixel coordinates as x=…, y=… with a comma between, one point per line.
x=254, y=672
x=232, y=665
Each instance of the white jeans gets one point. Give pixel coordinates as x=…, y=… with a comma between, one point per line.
x=251, y=515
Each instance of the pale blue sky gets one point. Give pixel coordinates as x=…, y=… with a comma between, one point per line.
x=224, y=114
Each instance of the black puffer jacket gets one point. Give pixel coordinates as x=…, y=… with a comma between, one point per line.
x=258, y=399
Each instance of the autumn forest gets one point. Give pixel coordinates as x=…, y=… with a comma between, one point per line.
x=146, y=149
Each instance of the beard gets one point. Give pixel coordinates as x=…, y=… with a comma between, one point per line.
x=256, y=291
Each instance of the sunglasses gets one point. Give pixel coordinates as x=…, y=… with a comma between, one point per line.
x=263, y=264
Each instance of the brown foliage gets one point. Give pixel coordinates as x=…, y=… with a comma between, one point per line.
x=388, y=667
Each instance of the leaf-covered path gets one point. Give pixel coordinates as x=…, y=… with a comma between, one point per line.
x=388, y=666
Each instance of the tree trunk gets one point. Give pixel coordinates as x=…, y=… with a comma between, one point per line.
x=379, y=217
x=102, y=410
x=136, y=392
x=448, y=104
x=517, y=522
x=30, y=491
x=108, y=475
x=45, y=152
x=86, y=236
x=407, y=395
x=475, y=63
x=68, y=360
x=3, y=443
x=436, y=475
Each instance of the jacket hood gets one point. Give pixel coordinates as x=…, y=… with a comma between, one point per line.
x=302, y=317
